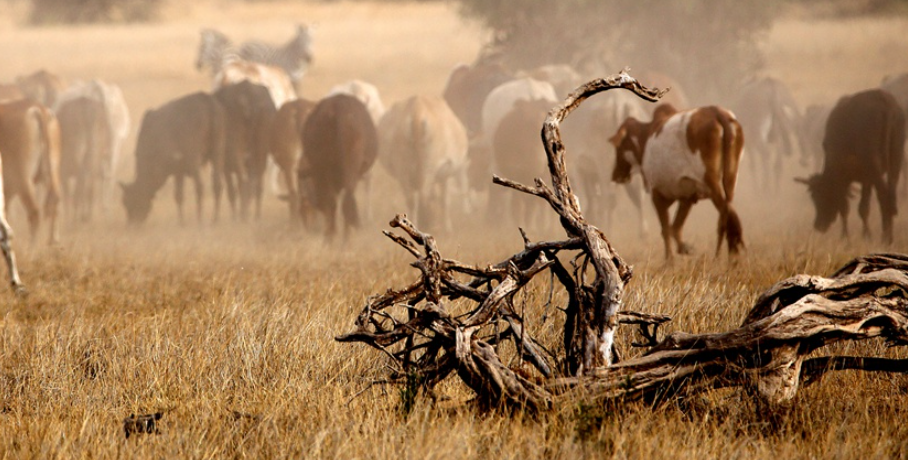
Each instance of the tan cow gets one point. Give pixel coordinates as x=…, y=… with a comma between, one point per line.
x=10, y=92
x=85, y=140
x=42, y=86
x=423, y=145
x=30, y=151
x=287, y=147
x=685, y=156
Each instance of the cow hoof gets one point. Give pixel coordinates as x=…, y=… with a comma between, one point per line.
x=685, y=249
x=20, y=291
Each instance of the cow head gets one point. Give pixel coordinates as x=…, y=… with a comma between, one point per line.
x=136, y=202
x=628, y=143
x=829, y=197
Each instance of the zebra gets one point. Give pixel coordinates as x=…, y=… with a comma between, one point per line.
x=294, y=56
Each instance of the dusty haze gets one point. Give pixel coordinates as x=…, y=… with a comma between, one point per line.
x=205, y=320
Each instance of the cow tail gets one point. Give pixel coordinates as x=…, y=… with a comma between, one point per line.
x=43, y=144
x=732, y=146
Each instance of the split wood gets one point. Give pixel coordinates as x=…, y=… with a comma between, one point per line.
x=427, y=341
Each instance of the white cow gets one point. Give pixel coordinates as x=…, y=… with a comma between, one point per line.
x=274, y=78
x=118, y=124
x=501, y=100
x=423, y=145
x=367, y=93
x=562, y=77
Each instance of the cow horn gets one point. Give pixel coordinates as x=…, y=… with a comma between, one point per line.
x=802, y=180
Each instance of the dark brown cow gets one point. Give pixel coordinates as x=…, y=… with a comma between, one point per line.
x=898, y=86
x=42, y=86
x=340, y=145
x=287, y=147
x=30, y=148
x=864, y=143
x=467, y=88
x=685, y=156
x=176, y=140
x=250, y=112
x=85, y=143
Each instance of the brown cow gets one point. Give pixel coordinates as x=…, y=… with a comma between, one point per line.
x=340, y=145
x=177, y=139
x=287, y=147
x=864, y=143
x=42, y=86
x=249, y=113
x=85, y=143
x=467, y=88
x=684, y=157
x=30, y=148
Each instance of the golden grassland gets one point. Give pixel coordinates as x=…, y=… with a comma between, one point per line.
x=229, y=328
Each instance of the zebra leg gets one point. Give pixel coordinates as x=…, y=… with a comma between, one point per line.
x=6, y=235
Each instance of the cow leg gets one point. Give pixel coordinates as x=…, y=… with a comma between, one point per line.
x=886, y=195
x=178, y=195
x=681, y=216
x=51, y=205
x=199, y=194
x=351, y=214
x=330, y=211
x=258, y=190
x=661, y=204
x=844, y=213
x=293, y=198
x=231, y=193
x=216, y=188
x=634, y=191
x=31, y=208
x=864, y=208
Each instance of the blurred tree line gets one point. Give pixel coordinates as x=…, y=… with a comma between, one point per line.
x=693, y=40
x=91, y=11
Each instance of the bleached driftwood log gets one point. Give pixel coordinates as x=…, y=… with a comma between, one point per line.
x=455, y=317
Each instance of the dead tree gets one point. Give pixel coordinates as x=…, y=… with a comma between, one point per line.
x=455, y=318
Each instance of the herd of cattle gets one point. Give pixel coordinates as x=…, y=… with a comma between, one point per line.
x=67, y=139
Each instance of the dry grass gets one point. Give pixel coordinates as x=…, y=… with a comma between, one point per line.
x=228, y=328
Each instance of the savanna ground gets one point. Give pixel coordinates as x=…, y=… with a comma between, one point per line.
x=229, y=328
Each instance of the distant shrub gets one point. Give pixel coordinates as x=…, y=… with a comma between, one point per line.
x=92, y=11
